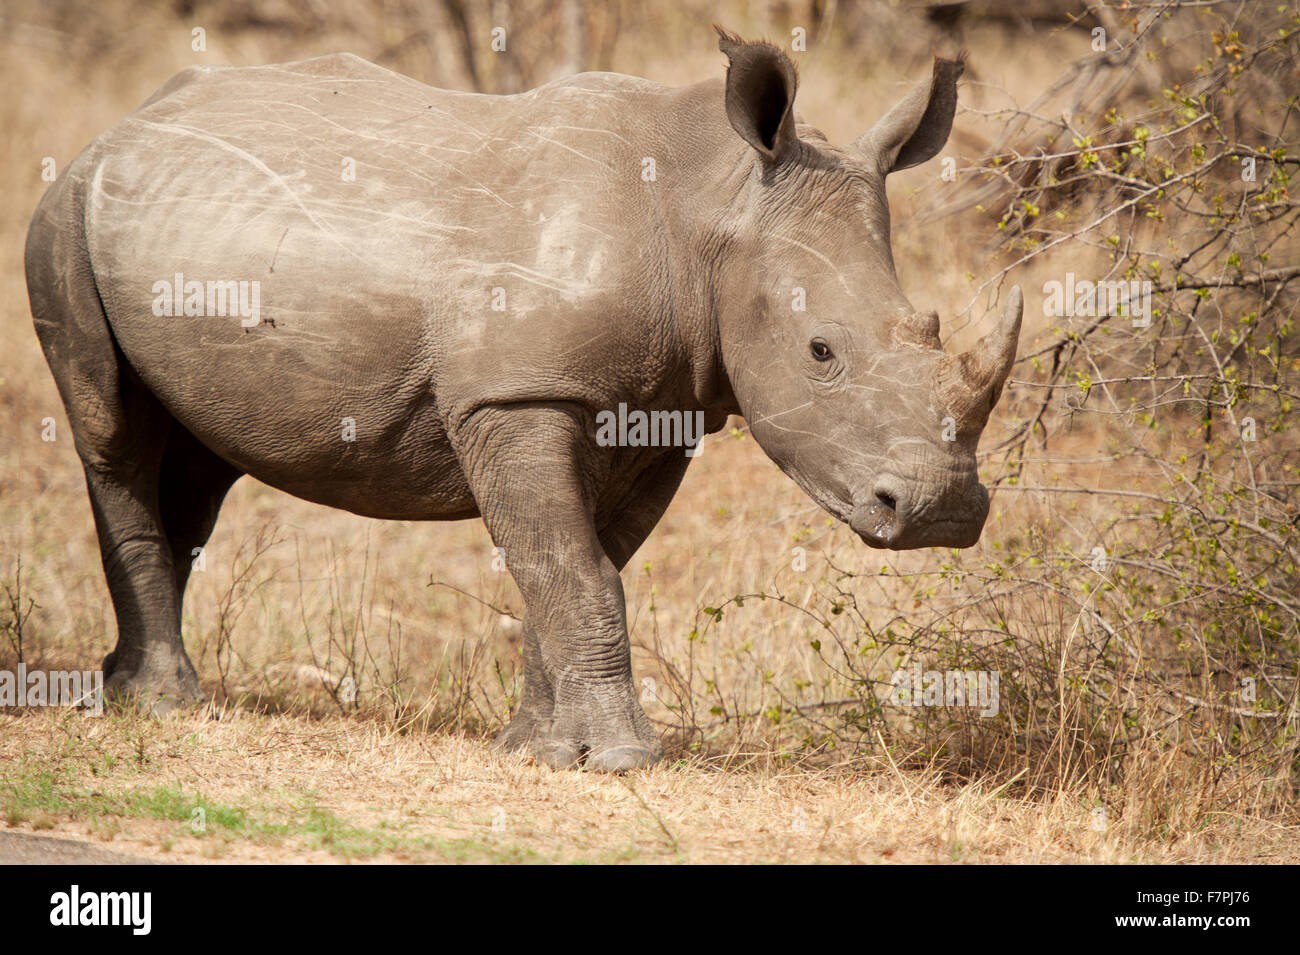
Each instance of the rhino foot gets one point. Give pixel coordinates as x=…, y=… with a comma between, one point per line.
x=623, y=757
x=603, y=729
x=528, y=735
x=524, y=729
x=605, y=745
x=615, y=756
x=559, y=753
x=159, y=682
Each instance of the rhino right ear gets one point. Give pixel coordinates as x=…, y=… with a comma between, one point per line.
x=916, y=129
x=761, y=83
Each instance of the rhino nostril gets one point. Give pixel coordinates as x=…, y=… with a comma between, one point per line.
x=888, y=492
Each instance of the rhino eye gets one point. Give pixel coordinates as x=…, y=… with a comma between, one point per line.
x=820, y=350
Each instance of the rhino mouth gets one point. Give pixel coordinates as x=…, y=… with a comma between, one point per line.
x=887, y=520
x=876, y=523
x=884, y=533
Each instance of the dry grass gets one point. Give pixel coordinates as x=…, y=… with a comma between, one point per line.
x=348, y=790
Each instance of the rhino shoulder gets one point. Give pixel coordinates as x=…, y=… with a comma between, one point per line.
x=186, y=77
x=597, y=84
x=337, y=65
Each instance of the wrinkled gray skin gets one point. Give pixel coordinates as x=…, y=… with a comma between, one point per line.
x=376, y=305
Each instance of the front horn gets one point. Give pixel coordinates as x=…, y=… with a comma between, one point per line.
x=985, y=368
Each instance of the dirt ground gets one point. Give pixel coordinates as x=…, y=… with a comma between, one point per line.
x=281, y=789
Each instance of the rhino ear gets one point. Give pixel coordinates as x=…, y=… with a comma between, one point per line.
x=916, y=129
x=761, y=83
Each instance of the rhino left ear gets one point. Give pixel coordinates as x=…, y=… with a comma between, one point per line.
x=916, y=129
x=761, y=83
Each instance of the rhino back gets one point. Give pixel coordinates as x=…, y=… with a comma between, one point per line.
x=376, y=293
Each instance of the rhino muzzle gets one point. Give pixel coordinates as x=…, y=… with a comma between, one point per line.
x=930, y=510
x=892, y=517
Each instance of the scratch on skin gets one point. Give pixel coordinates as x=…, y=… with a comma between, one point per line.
x=276, y=254
x=811, y=251
x=578, y=348
x=266, y=170
x=555, y=142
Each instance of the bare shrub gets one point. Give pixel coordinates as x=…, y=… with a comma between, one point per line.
x=1138, y=597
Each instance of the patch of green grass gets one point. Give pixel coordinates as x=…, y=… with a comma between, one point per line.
x=27, y=793
x=43, y=793
x=622, y=855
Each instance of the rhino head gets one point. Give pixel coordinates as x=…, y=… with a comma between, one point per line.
x=844, y=383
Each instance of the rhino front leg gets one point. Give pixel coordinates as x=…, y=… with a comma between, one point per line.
x=529, y=467
x=621, y=536
x=532, y=721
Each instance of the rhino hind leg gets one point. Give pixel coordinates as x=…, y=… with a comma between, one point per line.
x=193, y=483
x=122, y=458
x=120, y=431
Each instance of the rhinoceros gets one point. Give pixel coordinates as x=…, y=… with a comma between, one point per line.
x=415, y=304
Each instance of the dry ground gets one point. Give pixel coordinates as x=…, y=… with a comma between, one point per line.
x=286, y=789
